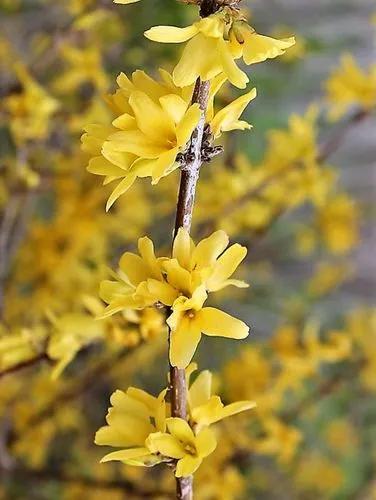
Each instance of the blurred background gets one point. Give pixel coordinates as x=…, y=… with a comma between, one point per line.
x=298, y=190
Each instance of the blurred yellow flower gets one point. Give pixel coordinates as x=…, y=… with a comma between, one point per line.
x=31, y=110
x=350, y=86
x=338, y=223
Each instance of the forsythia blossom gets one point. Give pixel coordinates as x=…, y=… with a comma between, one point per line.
x=141, y=425
x=154, y=122
x=217, y=41
x=181, y=283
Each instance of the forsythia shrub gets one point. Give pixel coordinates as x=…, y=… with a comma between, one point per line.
x=308, y=374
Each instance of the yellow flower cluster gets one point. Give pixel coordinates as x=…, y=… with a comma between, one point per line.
x=154, y=121
x=180, y=283
x=141, y=425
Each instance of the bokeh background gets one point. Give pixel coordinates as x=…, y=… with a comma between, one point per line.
x=310, y=362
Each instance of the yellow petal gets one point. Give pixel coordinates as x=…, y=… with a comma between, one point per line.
x=174, y=106
x=238, y=407
x=209, y=249
x=235, y=75
x=124, y=122
x=125, y=455
x=164, y=165
x=214, y=322
x=171, y=34
x=167, y=445
x=258, y=48
x=177, y=276
x=120, y=189
x=122, y=160
x=100, y=166
x=205, y=442
x=186, y=126
x=134, y=141
x=205, y=64
x=228, y=117
x=134, y=268
x=226, y=266
x=187, y=466
x=146, y=250
x=200, y=391
x=183, y=343
x=182, y=248
x=150, y=117
x=163, y=292
x=181, y=430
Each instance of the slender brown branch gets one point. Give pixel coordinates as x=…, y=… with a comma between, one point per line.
x=190, y=170
x=24, y=364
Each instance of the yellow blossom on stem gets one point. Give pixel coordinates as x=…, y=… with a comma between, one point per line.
x=154, y=121
x=217, y=41
x=204, y=407
x=183, y=445
x=181, y=283
x=133, y=416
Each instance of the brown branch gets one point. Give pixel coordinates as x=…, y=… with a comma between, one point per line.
x=24, y=364
x=191, y=162
x=190, y=169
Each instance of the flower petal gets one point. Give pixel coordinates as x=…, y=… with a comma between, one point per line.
x=170, y=34
x=228, y=117
x=205, y=64
x=183, y=343
x=226, y=266
x=120, y=189
x=200, y=391
x=235, y=75
x=209, y=249
x=217, y=323
x=187, y=466
x=124, y=455
x=181, y=430
x=188, y=123
x=167, y=445
x=205, y=442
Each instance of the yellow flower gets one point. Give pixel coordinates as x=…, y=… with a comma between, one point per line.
x=71, y=333
x=31, y=110
x=144, y=279
x=130, y=290
x=206, y=409
x=182, y=283
x=153, y=125
x=338, y=222
x=183, y=445
x=190, y=320
x=350, y=86
x=217, y=41
x=133, y=416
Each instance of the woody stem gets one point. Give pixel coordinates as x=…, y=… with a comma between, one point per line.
x=190, y=169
